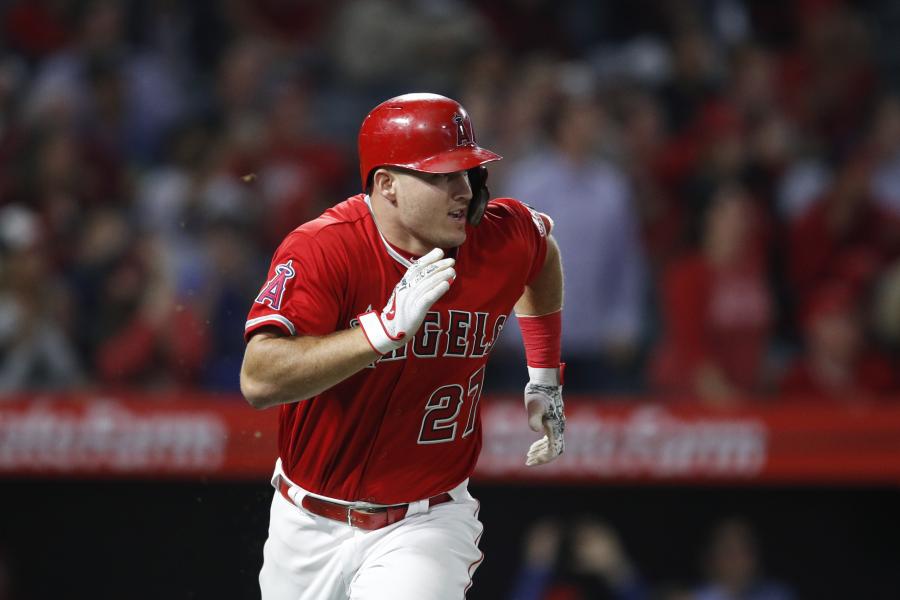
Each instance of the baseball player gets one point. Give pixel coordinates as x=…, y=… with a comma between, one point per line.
x=371, y=333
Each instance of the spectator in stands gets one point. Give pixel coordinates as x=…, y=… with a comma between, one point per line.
x=240, y=80
x=826, y=77
x=102, y=242
x=844, y=235
x=885, y=142
x=206, y=219
x=519, y=127
x=35, y=351
x=717, y=308
x=585, y=561
x=408, y=42
x=886, y=309
x=59, y=180
x=166, y=196
x=655, y=166
x=224, y=289
x=696, y=75
x=136, y=329
x=837, y=362
x=733, y=566
x=483, y=92
x=301, y=171
x=591, y=203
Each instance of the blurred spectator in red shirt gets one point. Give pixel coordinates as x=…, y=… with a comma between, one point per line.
x=826, y=81
x=837, y=362
x=844, y=235
x=302, y=172
x=717, y=308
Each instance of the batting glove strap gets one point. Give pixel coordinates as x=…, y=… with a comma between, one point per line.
x=546, y=376
x=379, y=337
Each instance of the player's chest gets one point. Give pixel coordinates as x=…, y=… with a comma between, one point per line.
x=464, y=323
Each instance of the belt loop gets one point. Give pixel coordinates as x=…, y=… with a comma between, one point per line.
x=460, y=491
x=291, y=493
x=419, y=506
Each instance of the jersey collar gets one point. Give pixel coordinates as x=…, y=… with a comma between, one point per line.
x=392, y=252
x=401, y=256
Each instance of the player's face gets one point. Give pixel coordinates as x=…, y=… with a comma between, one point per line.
x=432, y=208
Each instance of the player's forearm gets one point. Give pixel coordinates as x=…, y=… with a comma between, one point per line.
x=544, y=295
x=280, y=370
x=541, y=326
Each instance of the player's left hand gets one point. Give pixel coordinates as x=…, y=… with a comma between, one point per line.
x=544, y=405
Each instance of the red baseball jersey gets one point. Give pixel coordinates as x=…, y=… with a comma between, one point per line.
x=407, y=427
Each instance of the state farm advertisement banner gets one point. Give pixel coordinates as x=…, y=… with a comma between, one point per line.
x=806, y=442
x=131, y=435
x=216, y=437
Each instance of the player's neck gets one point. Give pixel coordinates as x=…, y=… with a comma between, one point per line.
x=393, y=231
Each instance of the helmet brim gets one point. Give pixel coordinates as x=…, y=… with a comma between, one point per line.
x=457, y=159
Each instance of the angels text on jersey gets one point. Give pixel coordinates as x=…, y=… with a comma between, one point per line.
x=454, y=334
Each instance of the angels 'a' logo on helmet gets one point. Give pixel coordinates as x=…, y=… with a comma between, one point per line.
x=462, y=136
x=273, y=291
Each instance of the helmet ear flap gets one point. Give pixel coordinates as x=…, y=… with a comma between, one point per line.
x=480, y=194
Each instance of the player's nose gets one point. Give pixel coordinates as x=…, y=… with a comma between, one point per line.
x=460, y=188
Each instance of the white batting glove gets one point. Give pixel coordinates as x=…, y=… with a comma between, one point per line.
x=544, y=405
x=421, y=286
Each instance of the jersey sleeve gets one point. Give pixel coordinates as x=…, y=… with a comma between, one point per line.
x=531, y=231
x=302, y=291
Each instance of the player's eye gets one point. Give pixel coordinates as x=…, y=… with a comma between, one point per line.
x=436, y=178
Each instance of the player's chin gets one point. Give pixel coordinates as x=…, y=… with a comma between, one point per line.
x=452, y=239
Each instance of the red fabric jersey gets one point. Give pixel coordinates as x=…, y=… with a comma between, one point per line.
x=408, y=426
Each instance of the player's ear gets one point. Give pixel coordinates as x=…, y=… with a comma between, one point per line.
x=385, y=183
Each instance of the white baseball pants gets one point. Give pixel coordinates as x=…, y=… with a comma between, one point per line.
x=429, y=555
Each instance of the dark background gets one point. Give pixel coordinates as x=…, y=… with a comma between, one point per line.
x=143, y=539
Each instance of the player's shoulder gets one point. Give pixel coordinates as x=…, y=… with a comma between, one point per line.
x=336, y=225
x=349, y=212
x=502, y=211
x=506, y=208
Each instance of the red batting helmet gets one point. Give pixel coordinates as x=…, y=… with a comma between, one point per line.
x=422, y=132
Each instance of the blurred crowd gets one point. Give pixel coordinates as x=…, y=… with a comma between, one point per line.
x=584, y=558
x=724, y=177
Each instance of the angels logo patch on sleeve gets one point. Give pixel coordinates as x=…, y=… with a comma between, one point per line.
x=538, y=221
x=273, y=292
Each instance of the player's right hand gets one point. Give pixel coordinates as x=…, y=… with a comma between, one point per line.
x=420, y=287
